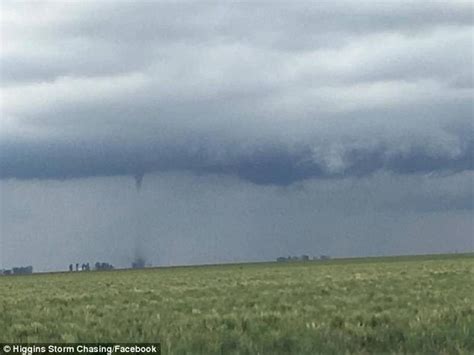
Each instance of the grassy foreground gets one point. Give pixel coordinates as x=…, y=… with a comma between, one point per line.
x=392, y=305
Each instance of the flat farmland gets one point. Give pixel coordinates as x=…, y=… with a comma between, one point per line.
x=394, y=305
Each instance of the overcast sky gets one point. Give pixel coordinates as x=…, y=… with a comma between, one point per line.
x=263, y=129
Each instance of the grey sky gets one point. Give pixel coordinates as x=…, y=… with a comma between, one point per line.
x=257, y=99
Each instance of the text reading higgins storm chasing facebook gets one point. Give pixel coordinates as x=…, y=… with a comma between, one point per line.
x=98, y=349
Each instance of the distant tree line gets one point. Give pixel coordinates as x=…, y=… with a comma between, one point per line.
x=282, y=259
x=22, y=270
x=83, y=267
x=103, y=266
x=86, y=267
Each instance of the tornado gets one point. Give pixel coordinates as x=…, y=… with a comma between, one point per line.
x=139, y=181
x=139, y=257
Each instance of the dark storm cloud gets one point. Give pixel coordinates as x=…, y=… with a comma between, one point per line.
x=272, y=165
x=272, y=93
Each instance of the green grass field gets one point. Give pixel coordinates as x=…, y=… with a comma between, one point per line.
x=381, y=305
